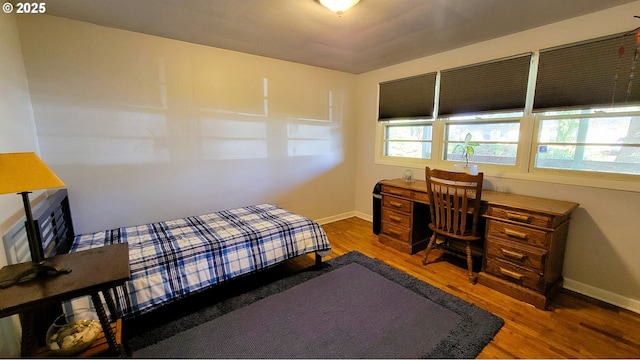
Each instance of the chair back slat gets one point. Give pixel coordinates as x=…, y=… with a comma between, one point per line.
x=452, y=197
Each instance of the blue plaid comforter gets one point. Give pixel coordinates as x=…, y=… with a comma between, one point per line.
x=172, y=259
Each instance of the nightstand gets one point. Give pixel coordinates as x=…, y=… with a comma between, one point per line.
x=93, y=272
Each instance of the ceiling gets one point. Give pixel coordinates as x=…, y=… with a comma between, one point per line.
x=372, y=35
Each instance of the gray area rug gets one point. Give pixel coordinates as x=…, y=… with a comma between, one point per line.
x=354, y=307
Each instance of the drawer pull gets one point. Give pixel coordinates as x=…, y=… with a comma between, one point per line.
x=518, y=217
x=395, y=218
x=395, y=232
x=396, y=204
x=513, y=254
x=511, y=274
x=516, y=234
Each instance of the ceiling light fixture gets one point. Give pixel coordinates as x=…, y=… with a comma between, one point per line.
x=338, y=6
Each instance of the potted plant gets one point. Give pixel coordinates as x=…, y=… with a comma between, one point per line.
x=468, y=149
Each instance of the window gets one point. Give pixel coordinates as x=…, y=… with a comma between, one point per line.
x=406, y=112
x=600, y=140
x=586, y=107
x=570, y=108
x=496, y=134
x=410, y=139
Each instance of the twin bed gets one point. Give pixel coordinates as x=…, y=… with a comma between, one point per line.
x=170, y=260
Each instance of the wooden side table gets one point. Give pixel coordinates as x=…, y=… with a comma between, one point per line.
x=93, y=272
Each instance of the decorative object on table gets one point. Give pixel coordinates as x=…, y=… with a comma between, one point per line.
x=70, y=334
x=468, y=150
x=408, y=176
x=22, y=173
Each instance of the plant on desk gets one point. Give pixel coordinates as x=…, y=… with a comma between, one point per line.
x=468, y=149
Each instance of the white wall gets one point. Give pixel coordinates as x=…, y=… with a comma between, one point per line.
x=602, y=252
x=143, y=128
x=17, y=133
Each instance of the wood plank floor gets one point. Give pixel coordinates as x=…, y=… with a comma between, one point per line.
x=574, y=326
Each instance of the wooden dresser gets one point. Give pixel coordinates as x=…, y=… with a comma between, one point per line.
x=524, y=241
x=400, y=211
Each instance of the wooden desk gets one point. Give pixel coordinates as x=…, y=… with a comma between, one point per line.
x=93, y=272
x=524, y=241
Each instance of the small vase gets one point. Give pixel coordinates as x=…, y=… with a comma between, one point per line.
x=408, y=176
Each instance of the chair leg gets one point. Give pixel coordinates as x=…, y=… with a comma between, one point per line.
x=472, y=280
x=429, y=247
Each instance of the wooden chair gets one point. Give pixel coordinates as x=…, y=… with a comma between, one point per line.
x=454, y=200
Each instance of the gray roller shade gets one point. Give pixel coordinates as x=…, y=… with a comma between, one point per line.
x=492, y=86
x=588, y=74
x=411, y=97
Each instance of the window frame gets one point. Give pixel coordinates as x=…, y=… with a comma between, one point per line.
x=588, y=174
x=524, y=168
x=483, y=121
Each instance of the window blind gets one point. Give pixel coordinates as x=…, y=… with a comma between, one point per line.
x=407, y=98
x=493, y=86
x=592, y=74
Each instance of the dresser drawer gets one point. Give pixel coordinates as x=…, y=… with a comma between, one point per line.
x=396, y=218
x=421, y=197
x=521, y=216
x=392, y=190
x=519, y=275
x=396, y=232
x=516, y=233
x=524, y=256
x=396, y=204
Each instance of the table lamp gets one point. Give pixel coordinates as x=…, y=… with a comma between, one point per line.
x=23, y=173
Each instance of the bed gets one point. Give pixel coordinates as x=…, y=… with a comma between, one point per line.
x=170, y=260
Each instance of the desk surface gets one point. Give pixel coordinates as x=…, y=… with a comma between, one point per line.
x=91, y=271
x=549, y=206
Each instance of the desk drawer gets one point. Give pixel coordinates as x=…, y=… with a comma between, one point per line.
x=515, y=274
x=397, y=218
x=521, y=216
x=392, y=190
x=396, y=204
x=525, y=256
x=421, y=196
x=521, y=234
x=396, y=232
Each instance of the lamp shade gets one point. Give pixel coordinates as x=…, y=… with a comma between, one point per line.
x=25, y=171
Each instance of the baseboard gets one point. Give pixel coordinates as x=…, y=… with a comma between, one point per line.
x=364, y=216
x=343, y=216
x=603, y=295
x=334, y=218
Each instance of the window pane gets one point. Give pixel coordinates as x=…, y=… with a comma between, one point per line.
x=594, y=130
x=614, y=159
x=409, y=149
x=416, y=132
x=608, y=143
x=498, y=142
x=413, y=141
x=502, y=131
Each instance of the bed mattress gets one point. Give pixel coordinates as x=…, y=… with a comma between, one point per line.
x=172, y=259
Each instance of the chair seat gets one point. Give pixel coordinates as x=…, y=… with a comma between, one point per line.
x=467, y=236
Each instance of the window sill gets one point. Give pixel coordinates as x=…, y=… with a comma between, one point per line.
x=594, y=180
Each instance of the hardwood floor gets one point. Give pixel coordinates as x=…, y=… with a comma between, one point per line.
x=574, y=326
